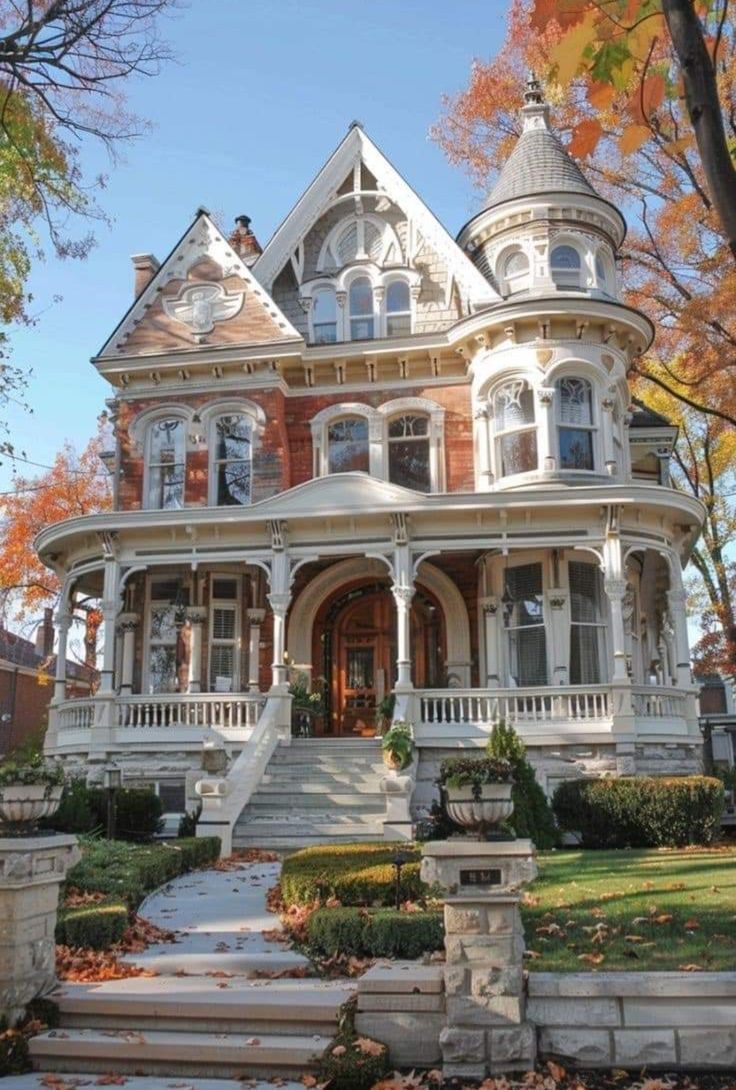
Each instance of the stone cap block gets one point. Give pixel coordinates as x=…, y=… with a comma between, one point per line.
x=402, y=976
x=485, y=850
x=657, y=984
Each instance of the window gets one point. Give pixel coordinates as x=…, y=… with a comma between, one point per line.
x=524, y=619
x=224, y=634
x=166, y=464
x=163, y=635
x=347, y=445
x=408, y=452
x=232, y=460
x=565, y=267
x=324, y=316
x=586, y=624
x=600, y=272
x=361, y=309
x=516, y=434
x=575, y=423
x=398, y=308
x=515, y=274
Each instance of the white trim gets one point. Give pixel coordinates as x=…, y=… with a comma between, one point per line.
x=388, y=234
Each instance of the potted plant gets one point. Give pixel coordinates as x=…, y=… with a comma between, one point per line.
x=398, y=746
x=477, y=792
x=30, y=789
x=306, y=706
x=385, y=712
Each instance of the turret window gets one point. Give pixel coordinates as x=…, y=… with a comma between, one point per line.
x=166, y=447
x=515, y=272
x=408, y=452
x=232, y=465
x=565, y=267
x=515, y=428
x=361, y=309
x=324, y=316
x=347, y=445
x=576, y=428
x=398, y=308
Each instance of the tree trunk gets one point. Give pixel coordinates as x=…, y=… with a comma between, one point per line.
x=704, y=108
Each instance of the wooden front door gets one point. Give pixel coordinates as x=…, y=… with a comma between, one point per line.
x=363, y=666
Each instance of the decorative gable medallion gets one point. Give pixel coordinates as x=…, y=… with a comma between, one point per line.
x=199, y=306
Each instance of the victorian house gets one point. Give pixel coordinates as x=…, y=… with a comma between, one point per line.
x=378, y=460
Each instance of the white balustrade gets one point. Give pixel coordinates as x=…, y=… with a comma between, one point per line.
x=216, y=710
x=546, y=704
x=75, y=714
x=657, y=702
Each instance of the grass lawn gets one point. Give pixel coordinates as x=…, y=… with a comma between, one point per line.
x=635, y=910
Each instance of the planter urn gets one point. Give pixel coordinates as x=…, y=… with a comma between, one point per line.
x=22, y=805
x=481, y=815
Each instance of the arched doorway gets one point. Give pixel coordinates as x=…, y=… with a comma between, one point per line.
x=355, y=653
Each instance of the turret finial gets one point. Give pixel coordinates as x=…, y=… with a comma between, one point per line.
x=534, y=94
x=535, y=111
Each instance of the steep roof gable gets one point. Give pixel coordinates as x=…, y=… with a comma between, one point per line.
x=203, y=294
x=356, y=148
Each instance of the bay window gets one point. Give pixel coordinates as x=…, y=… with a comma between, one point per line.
x=166, y=454
x=575, y=423
x=515, y=429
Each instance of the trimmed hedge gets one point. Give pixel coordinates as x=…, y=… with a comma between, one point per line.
x=641, y=812
x=96, y=925
x=356, y=874
x=382, y=933
x=137, y=812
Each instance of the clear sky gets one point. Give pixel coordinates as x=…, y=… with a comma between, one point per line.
x=259, y=95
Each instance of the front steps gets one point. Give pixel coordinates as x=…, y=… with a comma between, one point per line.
x=316, y=791
x=192, y=1027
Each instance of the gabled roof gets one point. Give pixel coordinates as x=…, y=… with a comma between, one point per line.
x=202, y=240
x=317, y=198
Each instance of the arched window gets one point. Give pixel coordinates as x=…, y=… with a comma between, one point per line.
x=232, y=462
x=565, y=267
x=587, y=626
x=515, y=429
x=398, y=308
x=408, y=452
x=361, y=309
x=324, y=316
x=347, y=445
x=515, y=273
x=166, y=447
x=575, y=401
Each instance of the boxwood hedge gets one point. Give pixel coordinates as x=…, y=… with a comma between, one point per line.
x=356, y=874
x=379, y=933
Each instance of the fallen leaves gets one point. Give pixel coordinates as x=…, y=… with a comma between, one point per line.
x=592, y=959
x=84, y=966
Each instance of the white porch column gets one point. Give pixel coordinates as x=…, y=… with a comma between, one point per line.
x=127, y=625
x=110, y=605
x=608, y=404
x=196, y=615
x=491, y=629
x=616, y=591
x=546, y=429
x=403, y=596
x=255, y=620
x=63, y=624
x=676, y=602
x=279, y=605
x=558, y=619
x=482, y=427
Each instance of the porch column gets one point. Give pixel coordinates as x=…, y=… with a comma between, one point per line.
x=616, y=592
x=127, y=625
x=491, y=619
x=279, y=605
x=196, y=615
x=608, y=404
x=63, y=624
x=483, y=448
x=255, y=620
x=547, y=430
x=676, y=601
x=110, y=604
x=558, y=615
x=403, y=596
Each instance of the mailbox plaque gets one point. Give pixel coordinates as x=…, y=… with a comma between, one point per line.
x=487, y=876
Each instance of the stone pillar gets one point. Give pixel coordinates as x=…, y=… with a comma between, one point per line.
x=63, y=624
x=491, y=629
x=255, y=620
x=486, y=1032
x=127, y=625
x=196, y=615
x=31, y=871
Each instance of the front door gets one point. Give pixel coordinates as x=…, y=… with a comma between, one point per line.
x=363, y=665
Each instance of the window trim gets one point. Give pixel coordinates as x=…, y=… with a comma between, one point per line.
x=572, y=244
x=389, y=238
x=508, y=283
x=341, y=282
x=593, y=428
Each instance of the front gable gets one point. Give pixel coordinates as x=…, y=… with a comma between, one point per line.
x=338, y=494
x=203, y=294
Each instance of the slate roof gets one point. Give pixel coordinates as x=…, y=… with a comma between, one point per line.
x=644, y=417
x=538, y=164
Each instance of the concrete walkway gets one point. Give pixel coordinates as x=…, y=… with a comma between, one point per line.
x=139, y=1082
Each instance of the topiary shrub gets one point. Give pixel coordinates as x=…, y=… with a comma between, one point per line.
x=333, y=931
x=354, y=874
x=532, y=816
x=196, y=851
x=641, y=812
x=379, y=933
x=95, y=925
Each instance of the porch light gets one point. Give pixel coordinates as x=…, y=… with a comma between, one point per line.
x=113, y=777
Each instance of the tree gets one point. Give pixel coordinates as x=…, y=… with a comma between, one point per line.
x=74, y=485
x=63, y=69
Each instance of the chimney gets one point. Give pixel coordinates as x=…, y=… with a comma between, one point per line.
x=145, y=266
x=244, y=242
x=45, y=634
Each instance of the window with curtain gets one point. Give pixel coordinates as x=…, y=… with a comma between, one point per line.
x=361, y=309
x=347, y=445
x=408, y=452
x=565, y=267
x=324, y=316
x=166, y=446
x=575, y=400
x=233, y=447
x=398, y=308
x=516, y=272
x=524, y=619
x=515, y=429
x=587, y=627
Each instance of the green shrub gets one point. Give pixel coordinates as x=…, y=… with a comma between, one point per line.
x=138, y=812
x=379, y=933
x=353, y=1063
x=95, y=925
x=474, y=772
x=356, y=874
x=532, y=816
x=76, y=813
x=641, y=812
x=196, y=851
x=188, y=822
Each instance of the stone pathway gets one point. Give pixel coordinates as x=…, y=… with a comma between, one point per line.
x=139, y=1082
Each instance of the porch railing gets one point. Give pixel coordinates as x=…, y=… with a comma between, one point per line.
x=76, y=714
x=657, y=702
x=454, y=707
x=218, y=710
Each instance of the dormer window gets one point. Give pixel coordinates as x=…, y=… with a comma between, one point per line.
x=324, y=316
x=166, y=452
x=565, y=267
x=361, y=309
x=232, y=462
x=576, y=426
x=515, y=272
x=347, y=445
x=515, y=429
x=398, y=308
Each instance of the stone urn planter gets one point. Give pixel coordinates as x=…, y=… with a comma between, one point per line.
x=22, y=805
x=480, y=809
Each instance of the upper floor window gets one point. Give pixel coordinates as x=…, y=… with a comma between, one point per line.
x=361, y=309
x=166, y=453
x=515, y=427
x=232, y=459
x=398, y=308
x=515, y=273
x=347, y=445
x=324, y=316
x=565, y=267
x=408, y=452
x=575, y=423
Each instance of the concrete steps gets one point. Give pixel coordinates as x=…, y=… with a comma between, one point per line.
x=316, y=791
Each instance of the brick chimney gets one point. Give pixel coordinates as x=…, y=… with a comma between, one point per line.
x=45, y=634
x=145, y=266
x=244, y=242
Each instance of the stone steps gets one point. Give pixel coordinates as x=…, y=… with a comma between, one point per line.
x=35, y=1081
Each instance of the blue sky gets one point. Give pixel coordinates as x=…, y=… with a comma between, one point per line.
x=258, y=97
